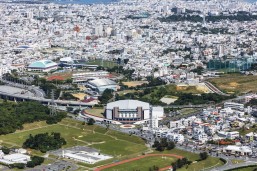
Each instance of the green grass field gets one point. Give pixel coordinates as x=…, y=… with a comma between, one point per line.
x=144, y=164
x=106, y=64
x=235, y=161
x=95, y=111
x=119, y=145
x=77, y=134
x=209, y=162
x=236, y=83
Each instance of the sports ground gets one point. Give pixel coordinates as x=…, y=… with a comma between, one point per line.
x=126, y=150
x=142, y=162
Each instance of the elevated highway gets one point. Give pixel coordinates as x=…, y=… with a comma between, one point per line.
x=20, y=94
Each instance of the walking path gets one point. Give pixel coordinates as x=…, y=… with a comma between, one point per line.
x=138, y=158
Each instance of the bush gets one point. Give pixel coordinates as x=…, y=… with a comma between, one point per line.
x=203, y=156
x=18, y=165
x=91, y=121
x=5, y=150
x=163, y=144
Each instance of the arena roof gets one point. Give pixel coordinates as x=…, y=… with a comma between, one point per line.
x=128, y=104
x=42, y=64
x=102, y=82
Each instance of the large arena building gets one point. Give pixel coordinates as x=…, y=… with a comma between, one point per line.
x=132, y=112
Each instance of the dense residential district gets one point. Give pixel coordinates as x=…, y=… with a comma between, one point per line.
x=132, y=85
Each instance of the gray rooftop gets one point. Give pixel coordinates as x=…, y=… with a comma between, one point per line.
x=128, y=104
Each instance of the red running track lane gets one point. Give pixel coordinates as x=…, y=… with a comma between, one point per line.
x=137, y=158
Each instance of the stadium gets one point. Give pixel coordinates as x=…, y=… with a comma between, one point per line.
x=128, y=111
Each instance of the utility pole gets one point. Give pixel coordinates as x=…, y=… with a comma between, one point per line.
x=52, y=106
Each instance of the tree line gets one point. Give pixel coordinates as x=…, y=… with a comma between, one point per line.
x=198, y=18
x=14, y=115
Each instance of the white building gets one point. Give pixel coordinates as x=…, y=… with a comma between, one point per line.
x=237, y=150
x=100, y=85
x=14, y=158
x=232, y=105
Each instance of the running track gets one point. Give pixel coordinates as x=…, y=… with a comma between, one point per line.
x=137, y=158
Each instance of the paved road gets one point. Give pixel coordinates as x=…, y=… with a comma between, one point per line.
x=233, y=166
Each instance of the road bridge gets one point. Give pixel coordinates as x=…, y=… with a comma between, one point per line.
x=19, y=94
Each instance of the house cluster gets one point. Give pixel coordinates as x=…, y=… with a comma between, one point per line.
x=125, y=30
x=215, y=126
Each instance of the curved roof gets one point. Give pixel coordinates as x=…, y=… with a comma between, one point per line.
x=24, y=47
x=128, y=104
x=102, y=82
x=42, y=64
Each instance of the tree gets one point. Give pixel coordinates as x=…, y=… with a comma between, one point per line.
x=160, y=148
x=171, y=145
x=164, y=142
x=203, y=155
x=174, y=166
x=126, y=61
x=69, y=81
x=44, y=142
x=39, y=160
x=35, y=160
x=5, y=150
x=91, y=121
x=156, y=144
x=18, y=165
x=31, y=164
x=180, y=163
x=106, y=96
x=198, y=70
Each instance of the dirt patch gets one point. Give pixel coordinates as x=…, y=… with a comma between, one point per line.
x=134, y=83
x=80, y=96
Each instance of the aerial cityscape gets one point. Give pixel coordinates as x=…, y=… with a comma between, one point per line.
x=128, y=85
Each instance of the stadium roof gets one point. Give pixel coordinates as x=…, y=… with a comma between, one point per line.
x=42, y=64
x=102, y=82
x=128, y=104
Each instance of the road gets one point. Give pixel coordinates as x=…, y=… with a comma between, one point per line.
x=38, y=95
x=233, y=166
